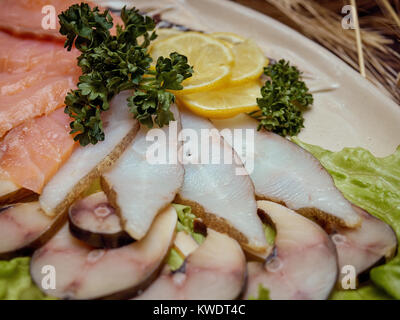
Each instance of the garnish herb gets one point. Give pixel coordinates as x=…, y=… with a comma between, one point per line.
x=263, y=293
x=111, y=64
x=284, y=97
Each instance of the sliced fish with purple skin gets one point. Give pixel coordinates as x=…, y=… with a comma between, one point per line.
x=216, y=270
x=285, y=173
x=94, y=221
x=23, y=227
x=217, y=193
x=139, y=186
x=84, y=272
x=365, y=246
x=304, y=265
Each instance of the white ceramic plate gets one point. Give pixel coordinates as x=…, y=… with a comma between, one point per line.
x=354, y=114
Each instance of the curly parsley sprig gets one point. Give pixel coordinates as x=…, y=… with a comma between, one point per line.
x=111, y=64
x=284, y=97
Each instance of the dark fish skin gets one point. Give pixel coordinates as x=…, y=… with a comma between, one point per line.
x=91, y=233
x=5, y=208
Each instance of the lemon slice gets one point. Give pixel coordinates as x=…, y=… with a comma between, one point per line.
x=224, y=102
x=249, y=62
x=249, y=59
x=228, y=37
x=210, y=58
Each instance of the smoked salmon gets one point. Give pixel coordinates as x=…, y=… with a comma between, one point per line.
x=35, y=77
x=23, y=55
x=37, y=100
x=25, y=17
x=37, y=18
x=31, y=153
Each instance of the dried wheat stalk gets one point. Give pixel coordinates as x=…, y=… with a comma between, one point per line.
x=321, y=20
x=391, y=11
x=360, y=52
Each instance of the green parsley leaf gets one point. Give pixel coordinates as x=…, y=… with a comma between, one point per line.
x=284, y=97
x=114, y=63
x=84, y=27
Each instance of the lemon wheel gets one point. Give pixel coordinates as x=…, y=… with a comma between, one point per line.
x=211, y=59
x=224, y=102
x=249, y=62
x=249, y=58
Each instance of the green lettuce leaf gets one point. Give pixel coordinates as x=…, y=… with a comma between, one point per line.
x=185, y=223
x=16, y=282
x=93, y=188
x=263, y=294
x=174, y=259
x=368, y=292
x=373, y=184
x=270, y=233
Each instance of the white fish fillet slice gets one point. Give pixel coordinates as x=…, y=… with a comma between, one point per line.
x=7, y=187
x=87, y=163
x=139, y=189
x=286, y=173
x=222, y=198
x=305, y=264
x=185, y=244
